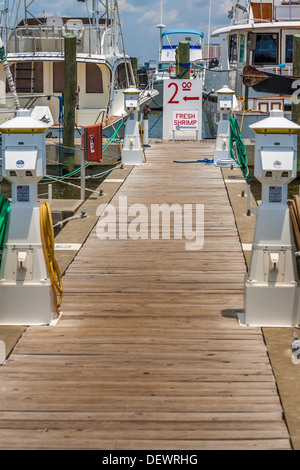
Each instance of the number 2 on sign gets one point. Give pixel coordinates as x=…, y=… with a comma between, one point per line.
x=176, y=91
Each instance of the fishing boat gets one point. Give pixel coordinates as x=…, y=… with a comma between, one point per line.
x=256, y=62
x=34, y=46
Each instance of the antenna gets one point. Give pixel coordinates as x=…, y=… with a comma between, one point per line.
x=160, y=26
x=208, y=33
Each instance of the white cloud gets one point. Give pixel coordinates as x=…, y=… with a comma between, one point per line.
x=153, y=17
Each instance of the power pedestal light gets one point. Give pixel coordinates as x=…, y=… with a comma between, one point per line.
x=25, y=289
x=225, y=107
x=272, y=283
x=132, y=152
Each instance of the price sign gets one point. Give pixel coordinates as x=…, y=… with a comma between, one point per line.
x=182, y=106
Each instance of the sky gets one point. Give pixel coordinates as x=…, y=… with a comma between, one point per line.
x=139, y=19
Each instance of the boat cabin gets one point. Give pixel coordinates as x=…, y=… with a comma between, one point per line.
x=263, y=40
x=35, y=52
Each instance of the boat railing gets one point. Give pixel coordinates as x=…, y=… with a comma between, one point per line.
x=149, y=87
x=278, y=70
x=88, y=37
x=40, y=32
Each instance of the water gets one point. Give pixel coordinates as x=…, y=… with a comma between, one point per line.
x=156, y=120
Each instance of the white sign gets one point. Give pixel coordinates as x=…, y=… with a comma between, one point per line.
x=185, y=120
x=182, y=104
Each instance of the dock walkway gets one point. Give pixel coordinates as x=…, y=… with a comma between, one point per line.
x=148, y=353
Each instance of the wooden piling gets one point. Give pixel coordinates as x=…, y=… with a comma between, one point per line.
x=248, y=63
x=69, y=102
x=183, y=60
x=296, y=101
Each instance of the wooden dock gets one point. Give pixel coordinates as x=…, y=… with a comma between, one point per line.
x=149, y=354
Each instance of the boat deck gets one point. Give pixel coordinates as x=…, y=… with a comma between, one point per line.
x=148, y=353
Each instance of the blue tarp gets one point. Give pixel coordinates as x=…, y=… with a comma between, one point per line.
x=182, y=31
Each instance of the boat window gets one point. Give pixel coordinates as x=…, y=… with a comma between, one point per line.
x=120, y=77
x=28, y=77
x=58, y=77
x=233, y=49
x=94, y=81
x=289, y=48
x=242, y=48
x=266, y=52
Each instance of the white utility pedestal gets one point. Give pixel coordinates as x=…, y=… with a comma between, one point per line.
x=226, y=102
x=25, y=288
x=272, y=288
x=132, y=152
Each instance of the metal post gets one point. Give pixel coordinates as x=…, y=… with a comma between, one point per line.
x=146, y=126
x=50, y=194
x=248, y=63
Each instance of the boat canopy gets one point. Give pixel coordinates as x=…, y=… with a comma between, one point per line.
x=182, y=31
x=167, y=51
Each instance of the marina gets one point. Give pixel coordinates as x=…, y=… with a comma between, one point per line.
x=149, y=235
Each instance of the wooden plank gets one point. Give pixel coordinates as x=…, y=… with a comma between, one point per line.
x=75, y=440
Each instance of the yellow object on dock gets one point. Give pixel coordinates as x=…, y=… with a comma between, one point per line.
x=47, y=235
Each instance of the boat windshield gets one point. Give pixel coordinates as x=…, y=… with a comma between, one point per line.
x=266, y=51
x=289, y=48
x=164, y=67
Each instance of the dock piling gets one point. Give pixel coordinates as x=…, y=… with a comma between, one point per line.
x=69, y=101
x=183, y=60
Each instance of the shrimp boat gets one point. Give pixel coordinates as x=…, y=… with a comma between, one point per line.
x=164, y=69
x=34, y=45
x=256, y=62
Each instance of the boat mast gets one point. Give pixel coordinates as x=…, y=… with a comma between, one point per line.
x=160, y=26
x=8, y=10
x=122, y=42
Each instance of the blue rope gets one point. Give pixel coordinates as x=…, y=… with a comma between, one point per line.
x=206, y=160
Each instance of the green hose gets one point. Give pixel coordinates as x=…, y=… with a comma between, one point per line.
x=236, y=136
x=4, y=211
